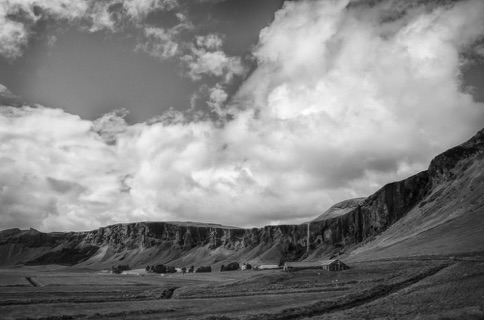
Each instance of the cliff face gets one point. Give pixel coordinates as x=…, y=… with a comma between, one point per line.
x=147, y=235
x=185, y=242
x=375, y=214
x=153, y=234
x=441, y=167
x=169, y=236
x=340, y=209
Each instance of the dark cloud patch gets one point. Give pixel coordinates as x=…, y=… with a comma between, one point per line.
x=63, y=186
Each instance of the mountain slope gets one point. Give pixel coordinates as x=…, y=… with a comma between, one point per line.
x=440, y=210
x=449, y=220
x=340, y=209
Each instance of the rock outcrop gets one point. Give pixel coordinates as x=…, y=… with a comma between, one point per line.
x=354, y=223
x=340, y=209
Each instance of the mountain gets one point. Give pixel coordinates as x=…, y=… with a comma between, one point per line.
x=449, y=219
x=437, y=211
x=340, y=209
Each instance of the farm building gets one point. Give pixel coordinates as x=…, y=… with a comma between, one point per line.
x=333, y=265
x=330, y=265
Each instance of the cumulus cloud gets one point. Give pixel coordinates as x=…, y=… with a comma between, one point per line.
x=111, y=125
x=18, y=17
x=207, y=58
x=210, y=41
x=56, y=172
x=101, y=17
x=360, y=91
x=139, y=9
x=159, y=43
x=13, y=35
x=164, y=43
x=344, y=98
x=204, y=57
x=218, y=97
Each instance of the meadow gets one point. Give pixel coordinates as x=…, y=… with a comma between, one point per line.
x=437, y=287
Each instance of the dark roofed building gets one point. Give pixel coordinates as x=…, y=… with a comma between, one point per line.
x=330, y=265
x=333, y=265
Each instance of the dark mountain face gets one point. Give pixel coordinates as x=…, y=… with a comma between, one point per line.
x=450, y=191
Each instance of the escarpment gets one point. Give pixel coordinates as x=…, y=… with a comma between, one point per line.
x=345, y=227
x=375, y=214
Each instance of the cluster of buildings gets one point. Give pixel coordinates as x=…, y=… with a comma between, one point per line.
x=329, y=265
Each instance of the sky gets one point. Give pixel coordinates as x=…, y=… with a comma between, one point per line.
x=243, y=113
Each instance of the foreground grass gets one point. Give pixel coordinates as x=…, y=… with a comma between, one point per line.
x=368, y=290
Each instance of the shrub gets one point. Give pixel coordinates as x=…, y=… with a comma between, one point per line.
x=170, y=269
x=161, y=268
x=120, y=268
x=230, y=267
x=204, y=269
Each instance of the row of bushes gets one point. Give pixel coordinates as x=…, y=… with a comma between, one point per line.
x=120, y=268
x=161, y=268
x=204, y=269
x=230, y=267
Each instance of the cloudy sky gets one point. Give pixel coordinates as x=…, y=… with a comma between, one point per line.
x=236, y=112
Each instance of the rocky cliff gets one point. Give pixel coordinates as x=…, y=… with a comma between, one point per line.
x=340, y=209
x=357, y=222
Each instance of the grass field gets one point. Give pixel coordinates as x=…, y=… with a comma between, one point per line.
x=425, y=288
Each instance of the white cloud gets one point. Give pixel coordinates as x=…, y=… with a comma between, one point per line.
x=111, y=125
x=337, y=106
x=210, y=41
x=207, y=59
x=138, y=9
x=56, y=172
x=101, y=17
x=320, y=61
x=217, y=98
x=13, y=35
x=160, y=43
x=17, y=17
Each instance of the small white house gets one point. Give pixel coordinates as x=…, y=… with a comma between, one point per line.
x=268, y=266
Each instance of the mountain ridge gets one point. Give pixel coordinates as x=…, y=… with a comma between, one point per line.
x=372, y=226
